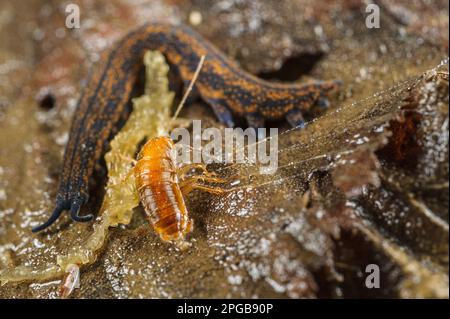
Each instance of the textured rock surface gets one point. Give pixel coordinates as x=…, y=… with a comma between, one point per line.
x=370, y=179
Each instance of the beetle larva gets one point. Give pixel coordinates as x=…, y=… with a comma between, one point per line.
x=161, y=186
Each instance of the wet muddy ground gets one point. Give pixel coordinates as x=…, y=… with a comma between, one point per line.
x=365, y=183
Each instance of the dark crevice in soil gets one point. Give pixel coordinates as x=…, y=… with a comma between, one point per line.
x=294, y=67
x=47, y=102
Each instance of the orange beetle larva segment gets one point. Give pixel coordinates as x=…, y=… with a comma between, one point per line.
x=159, y=192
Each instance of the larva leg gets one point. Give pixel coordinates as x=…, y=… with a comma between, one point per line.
x=202, y=178
x=189, y=187
x=192, y=183
x=183, y=170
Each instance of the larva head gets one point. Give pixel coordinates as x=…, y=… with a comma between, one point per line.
x=155, y=147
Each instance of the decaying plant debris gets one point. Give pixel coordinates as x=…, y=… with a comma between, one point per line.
x=365, y=183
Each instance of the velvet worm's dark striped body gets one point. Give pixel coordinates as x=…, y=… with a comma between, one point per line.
x=105, y=102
